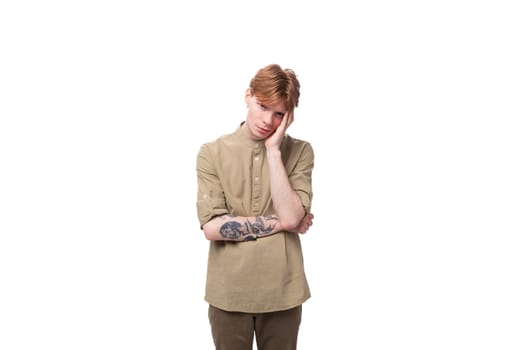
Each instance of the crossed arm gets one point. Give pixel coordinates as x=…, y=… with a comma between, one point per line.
x=240, y=228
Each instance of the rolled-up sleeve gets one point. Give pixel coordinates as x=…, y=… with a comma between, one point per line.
x=210, y=197
x=301, y=175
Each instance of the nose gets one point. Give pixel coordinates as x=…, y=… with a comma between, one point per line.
x=267, y=118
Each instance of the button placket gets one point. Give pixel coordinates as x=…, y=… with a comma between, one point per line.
x=256, y=180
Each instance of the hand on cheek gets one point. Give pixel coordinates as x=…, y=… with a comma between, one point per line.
x=277, y=137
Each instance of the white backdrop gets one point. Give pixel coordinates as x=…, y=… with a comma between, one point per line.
x=414, y=109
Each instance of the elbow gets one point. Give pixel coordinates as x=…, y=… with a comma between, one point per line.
x=290, y=223
x=291, y=216
x=208, y=235
x=209, y=232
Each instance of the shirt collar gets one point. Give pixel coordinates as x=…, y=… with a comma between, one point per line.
x=245, y=140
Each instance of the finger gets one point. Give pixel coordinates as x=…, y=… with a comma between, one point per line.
x=290, y=118
x=286, y=121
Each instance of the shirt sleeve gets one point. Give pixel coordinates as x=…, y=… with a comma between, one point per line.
x=301, y=175
x=210, y=197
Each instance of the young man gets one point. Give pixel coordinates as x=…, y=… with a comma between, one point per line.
x=254, y=198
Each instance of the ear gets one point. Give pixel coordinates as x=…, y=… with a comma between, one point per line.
x=247, y=96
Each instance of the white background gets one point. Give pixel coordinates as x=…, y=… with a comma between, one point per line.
x=415, y=111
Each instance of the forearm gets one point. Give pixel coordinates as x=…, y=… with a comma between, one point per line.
x=240, y=228
x=287, y=204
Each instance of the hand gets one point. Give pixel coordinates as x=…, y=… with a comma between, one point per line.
x=277, y=137
x=304, y=225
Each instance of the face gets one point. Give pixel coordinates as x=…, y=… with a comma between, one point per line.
x=262, y=120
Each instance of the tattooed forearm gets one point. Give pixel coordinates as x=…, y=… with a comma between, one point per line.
x=247, y=231
x=232, y=230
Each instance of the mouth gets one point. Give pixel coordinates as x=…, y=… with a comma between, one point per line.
x=263, y=130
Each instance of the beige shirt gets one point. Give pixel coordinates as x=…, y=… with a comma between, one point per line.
x=267, y=274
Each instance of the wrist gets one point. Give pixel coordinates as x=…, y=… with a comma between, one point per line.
x=274, y=152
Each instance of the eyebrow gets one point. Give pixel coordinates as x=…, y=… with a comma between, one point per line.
x=265, y=105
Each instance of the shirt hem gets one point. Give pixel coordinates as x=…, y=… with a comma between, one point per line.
x=255, y=309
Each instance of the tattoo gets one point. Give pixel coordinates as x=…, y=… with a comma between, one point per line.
x=231, y=230
x=258, y=226
x=249, y=231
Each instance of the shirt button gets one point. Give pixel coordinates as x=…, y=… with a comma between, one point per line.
x=256, y=158
x=257, y=179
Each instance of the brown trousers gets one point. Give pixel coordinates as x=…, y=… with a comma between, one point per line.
x=273, y=330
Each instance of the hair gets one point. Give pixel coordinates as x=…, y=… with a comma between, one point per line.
x=272, y=84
